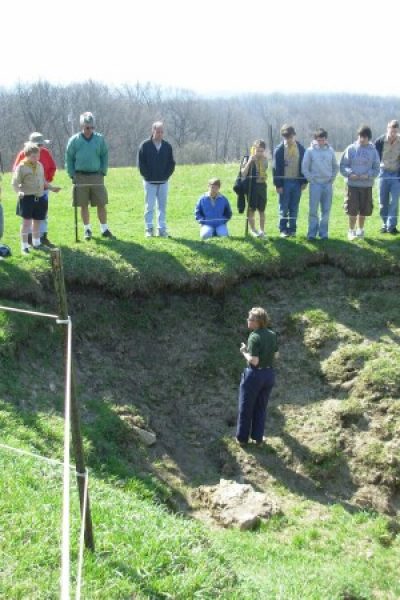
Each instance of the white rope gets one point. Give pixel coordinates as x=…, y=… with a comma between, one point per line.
x=82, y=536
x=52, y=461
x=28, y=312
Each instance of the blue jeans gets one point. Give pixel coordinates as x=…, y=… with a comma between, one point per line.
x=289, y=206
x=155, y=192
x=320, y=198
x=207, y=231
x=389, y=192
x=254, y=392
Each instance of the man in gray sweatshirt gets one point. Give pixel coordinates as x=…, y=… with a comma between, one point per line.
x=320, y=168
x=359, y=166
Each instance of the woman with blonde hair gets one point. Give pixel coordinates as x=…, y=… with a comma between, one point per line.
x=258, y=378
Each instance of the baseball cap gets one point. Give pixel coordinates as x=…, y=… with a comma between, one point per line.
x=38, y=138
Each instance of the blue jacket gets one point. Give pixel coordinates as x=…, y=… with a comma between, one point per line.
x=155, y=166
x=207, y=213
x=279, y=165
x=360, y=160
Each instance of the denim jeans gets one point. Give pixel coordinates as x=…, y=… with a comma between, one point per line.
x=389, y=192
x=320, y=199
x=289, y=206
x=207, y=231
x=254, y=392
x=155, y=192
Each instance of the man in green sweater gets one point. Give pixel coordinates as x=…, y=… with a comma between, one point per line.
x=86, y=161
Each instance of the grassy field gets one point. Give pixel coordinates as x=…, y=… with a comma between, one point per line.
x=157, y=324
x=185, y=263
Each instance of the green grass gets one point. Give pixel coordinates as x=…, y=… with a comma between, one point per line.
x=184, y=262
x=332, y=328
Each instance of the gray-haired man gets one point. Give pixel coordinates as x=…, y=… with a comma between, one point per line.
x=86, y=160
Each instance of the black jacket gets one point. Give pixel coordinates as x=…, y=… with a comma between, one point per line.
x=155, y=166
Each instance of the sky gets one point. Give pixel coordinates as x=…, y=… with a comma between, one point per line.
x=212, y=47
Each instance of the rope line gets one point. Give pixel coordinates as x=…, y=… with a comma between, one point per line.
x=52, y=461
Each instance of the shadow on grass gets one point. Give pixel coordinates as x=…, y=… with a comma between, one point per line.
x=174, y=349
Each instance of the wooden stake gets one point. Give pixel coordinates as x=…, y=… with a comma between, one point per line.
x=77, y=443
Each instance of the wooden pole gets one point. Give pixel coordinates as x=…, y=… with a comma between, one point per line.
x=77, y=443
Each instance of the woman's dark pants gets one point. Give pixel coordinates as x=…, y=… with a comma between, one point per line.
x=254, y=392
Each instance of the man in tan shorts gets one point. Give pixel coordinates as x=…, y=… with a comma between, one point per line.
x=86, y=161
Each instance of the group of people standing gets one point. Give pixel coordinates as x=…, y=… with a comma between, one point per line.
x=86, y=161
x=294, y=167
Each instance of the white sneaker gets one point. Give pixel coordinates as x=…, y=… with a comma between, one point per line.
x=351, y=234
x=254, y=233
x=262, y=235
x=149, y=233
x=360, y=233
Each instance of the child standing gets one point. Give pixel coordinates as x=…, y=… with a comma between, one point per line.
x=29, y=183
x=255, y=167
x=50, y=167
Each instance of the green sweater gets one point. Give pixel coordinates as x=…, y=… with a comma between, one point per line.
x=88, y=155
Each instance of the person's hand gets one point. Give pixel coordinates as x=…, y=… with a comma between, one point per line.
x=279, y=190
x=354, y=176
x=366, y=176
x=243, y=347
x=21, y=195
x=55, y=188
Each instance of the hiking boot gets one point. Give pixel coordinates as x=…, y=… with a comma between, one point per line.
x=44, y=241
x=163, y=233
x=107, y=234
x=383, y=230
x=25, y=251
x=88, y=235
x=393, y=231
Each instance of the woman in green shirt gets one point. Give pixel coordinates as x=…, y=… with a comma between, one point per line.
x=257, y=379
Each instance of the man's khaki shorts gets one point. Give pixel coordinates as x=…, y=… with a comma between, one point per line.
x=89, y=189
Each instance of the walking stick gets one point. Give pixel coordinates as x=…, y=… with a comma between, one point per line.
x=75, y=212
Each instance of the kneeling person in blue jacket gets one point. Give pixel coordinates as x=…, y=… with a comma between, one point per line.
x=213, y=211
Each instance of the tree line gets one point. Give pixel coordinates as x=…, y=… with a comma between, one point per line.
x=201, y=129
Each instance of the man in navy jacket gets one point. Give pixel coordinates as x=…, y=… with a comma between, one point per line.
x=156, y=165
x=288, y=179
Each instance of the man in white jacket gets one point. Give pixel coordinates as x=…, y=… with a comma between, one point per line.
x=320, y=168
